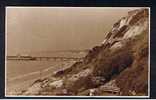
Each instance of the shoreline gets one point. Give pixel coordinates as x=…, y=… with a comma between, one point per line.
x=16, y=85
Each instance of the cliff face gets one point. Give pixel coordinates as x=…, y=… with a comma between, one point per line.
x=118, y=67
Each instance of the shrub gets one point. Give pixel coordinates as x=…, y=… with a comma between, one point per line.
x=113, y=63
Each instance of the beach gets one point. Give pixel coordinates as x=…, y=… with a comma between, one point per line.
x=21, y=74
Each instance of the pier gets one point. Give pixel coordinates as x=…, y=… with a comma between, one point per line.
x=33, y=58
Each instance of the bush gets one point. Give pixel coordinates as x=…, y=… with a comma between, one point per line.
x=113, y=63
x=136, y=77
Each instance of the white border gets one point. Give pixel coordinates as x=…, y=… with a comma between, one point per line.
x=79, y=96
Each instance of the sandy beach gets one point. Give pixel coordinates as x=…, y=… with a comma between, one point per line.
x=16, y=82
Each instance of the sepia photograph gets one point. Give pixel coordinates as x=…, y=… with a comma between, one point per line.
x=77, y=51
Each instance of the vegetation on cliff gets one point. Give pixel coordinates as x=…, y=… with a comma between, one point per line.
x=119, y=66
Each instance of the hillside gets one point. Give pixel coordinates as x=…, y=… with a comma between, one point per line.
x=119, y=66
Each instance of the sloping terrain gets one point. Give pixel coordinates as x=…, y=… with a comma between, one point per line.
x=118, y=67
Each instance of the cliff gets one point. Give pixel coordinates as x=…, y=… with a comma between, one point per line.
x=119, y=66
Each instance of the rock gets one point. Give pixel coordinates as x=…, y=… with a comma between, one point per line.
x=141, y=13
x=45, y=83
x=56, y=84
x=133, y=31
x=116, y=45
x=92, y=92
x=98, y=80
x=33, y=90
x=132, y=92
x=81, y=74
x=110, y=87
x=123, y=22
x=104, y=41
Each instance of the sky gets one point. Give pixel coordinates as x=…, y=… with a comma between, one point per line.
x=35, y=29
